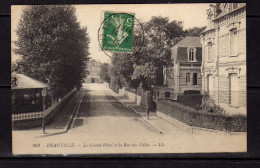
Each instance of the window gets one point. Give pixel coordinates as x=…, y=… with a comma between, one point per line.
x=191, y=54
x=195, y=79
x=167, y=94
x=210, y=52
x=233, y=42
x=187, y=78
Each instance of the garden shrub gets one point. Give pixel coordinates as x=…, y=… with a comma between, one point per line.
x=197, y=118
x=208, y=105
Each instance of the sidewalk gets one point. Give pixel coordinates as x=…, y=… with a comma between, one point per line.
x=61, y=121
x=160, y=125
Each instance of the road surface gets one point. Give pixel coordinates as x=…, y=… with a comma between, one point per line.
x=101, y=114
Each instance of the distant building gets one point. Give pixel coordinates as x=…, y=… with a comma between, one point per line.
x=93, y=68
x=224, y=56
x=183, y=73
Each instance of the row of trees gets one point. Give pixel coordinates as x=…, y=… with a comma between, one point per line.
x=53, y=47
x=141, y=70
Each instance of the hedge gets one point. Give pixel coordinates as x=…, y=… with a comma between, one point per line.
x=192, y=117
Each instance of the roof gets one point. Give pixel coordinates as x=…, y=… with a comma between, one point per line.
x=26, y=82
x=188, y=41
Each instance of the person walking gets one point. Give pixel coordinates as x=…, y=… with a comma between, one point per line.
x=147, y=111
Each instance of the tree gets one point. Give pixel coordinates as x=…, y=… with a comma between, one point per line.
x=104, y=72
x=53, y=47
x=160, y=35
x=195, y=31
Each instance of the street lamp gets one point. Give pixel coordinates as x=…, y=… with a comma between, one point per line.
x=44, y=93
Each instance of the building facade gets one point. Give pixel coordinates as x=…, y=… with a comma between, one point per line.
x=183, y=73
x=224, y=56
x=94, y=71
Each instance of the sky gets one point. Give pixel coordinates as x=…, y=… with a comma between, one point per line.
x=91, y=16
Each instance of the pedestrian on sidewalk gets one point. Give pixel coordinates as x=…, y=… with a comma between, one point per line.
x=147, y=110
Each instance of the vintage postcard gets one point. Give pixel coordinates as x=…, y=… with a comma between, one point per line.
x=120, y=79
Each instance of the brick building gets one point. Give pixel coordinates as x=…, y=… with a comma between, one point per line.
x=94, y=70
x=224, y=56
x=183, y=73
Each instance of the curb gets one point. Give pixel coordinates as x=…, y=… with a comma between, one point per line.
x=138, y=115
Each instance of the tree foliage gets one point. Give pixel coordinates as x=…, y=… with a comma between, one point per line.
x=52, y=45
x=195, y=31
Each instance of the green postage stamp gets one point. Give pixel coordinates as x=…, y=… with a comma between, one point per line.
x=118, y=31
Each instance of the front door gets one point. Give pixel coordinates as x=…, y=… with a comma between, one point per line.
x=195, y=79
x=92, y=80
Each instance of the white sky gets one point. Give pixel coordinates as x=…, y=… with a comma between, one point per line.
x=90, y=16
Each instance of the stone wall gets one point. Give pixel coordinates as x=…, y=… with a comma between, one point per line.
x=139, y=100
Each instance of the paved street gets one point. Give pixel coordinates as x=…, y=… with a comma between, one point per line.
x=102, y=122
x=101, y=114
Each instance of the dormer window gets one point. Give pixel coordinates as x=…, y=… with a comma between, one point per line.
x=191, y=54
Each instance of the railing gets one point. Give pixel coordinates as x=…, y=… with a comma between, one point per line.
x=197, y=65
x=189, y=65
x=25, y=116
x=50, y=109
